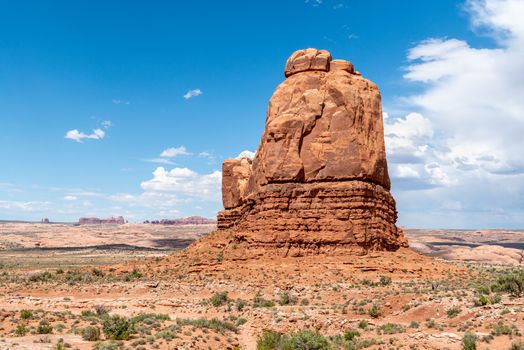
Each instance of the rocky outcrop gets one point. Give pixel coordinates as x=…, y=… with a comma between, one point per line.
x=117, y=220
x=319, y=177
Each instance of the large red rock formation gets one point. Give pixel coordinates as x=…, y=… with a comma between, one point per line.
x=319, y=180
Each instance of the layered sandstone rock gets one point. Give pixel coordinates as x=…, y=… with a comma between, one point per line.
x=319, y=177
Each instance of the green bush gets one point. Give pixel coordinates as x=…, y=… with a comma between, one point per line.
x=26, y=314
x=240, y=305
x=219, y=299
x=385, y=280
x=363, y=324
x=269, y=340
x=519, y=345
x=500, y=328
x=453, y=312
x=259, y=301
x=108, y=345
x=351, y=334
x=214, y=323
x=44, y=327
x=287, y=299
x=374, y=311
x=391, y=328
x=511, y=282
x=21, y=330
x=91, y=333
x=469, y=341
x=41, y=277
x=117, y=328
x=305, y=340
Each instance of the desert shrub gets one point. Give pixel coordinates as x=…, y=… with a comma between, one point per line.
x=269, y=340
x=26, y=314
x=101, y=310
x=363, y=324
x=240, y=305
x=144, y=317
x=510, y=282
x=385, y=280
x=44, y=327
x=241, y=321
x=374, y=311
x=169, y=333
x=519, y=345
x=391, y=328
x=108, y=345
x=414, y=324
x=21, y=330
x=485, y=299
x=59, y=271
x=117, y=328
x=133, y=275
x=91, y=333
x=500, y=328
x=214, y=323
x=287, y=299
x=304, y=302
x=469, y=341
x=40, y=277
x=87, y=313
x=453, y=312
x=351, y=334
x=219, y=299
x=259, y=301
x=307, y=339
x=97, y=272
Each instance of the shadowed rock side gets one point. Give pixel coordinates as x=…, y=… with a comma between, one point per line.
x=319, y=180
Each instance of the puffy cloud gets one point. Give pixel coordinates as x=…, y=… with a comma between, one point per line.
x=192, y=93
x=70, y=198
x=466, y=139
x=174, y=151
x=246, y=154
x=78, y=136
x=185, y=183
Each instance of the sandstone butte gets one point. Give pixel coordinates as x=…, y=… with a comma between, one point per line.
x=319, y=181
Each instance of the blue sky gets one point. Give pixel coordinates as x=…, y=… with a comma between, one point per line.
x=116, y=77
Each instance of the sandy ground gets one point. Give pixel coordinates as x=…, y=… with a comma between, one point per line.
x=215, y=295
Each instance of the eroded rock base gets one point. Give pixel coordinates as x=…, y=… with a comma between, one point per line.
x=316, y=217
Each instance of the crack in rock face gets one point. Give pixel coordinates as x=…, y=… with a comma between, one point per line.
x=319, y=179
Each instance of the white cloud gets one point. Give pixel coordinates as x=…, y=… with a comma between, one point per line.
x=78, y=136
x=174, y=151
x=185, y=182
x=159, y=161
x=246, y=154
x=466, y=139
x=106, y=124
x=70, y=198
x=192, y=93
x=24, y=206
x=117, y=102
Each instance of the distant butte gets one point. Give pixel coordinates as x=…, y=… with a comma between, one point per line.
x=319, y=180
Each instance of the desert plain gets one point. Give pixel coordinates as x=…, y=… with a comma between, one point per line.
x=190, y=287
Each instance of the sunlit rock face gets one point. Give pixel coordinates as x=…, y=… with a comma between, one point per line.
x=319, y=179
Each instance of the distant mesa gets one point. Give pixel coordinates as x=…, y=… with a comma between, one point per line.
x=114, y=220
x=191, y=220
x=44, y=221
x=319, y=180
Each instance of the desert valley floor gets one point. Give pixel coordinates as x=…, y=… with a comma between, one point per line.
x=65, y=286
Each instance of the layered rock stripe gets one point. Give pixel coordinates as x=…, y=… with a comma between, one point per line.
x=319, y=177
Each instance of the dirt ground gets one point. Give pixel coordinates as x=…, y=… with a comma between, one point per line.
x=217, y=294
